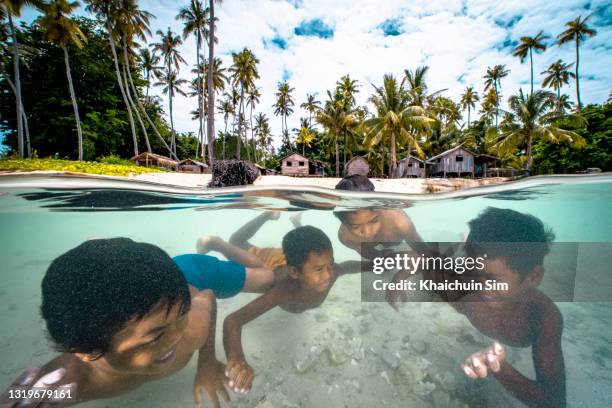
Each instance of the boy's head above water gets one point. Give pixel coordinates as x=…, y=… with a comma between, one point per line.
x=116, y=298
x=355, y=182
x=515, y=245
x=364, y=223
x=310, y=257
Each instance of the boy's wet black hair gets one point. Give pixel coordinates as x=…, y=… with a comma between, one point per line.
x=92, y=291
x=520, y=239
x=355, y=182
x=300, y=242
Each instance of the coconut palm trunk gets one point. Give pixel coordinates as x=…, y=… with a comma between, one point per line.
x=392, y=157
x=128, y=76
x=577, y=76
x=240, y=116
x=18, y=101
x=210, y=125
x=133, y=105
x=468, y=115
x=337, y=154
x=149, y=121
x=121, y=88
x=24, y=117
x=74, y=103
x=528, y=157
x=531, y=60
x=253, y=137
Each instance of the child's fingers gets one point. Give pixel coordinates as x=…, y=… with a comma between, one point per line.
x=197, y=395
x=493, y=363
x=468, y=371
x=499, y=350
x=479, y=367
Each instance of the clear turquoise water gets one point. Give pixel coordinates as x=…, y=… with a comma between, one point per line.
x=40, y=218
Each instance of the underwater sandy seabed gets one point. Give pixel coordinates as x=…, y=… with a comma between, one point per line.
x=346, y=353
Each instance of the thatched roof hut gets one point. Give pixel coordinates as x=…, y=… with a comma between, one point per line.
x=192, y=166
x=147, y=159
x=357, y=165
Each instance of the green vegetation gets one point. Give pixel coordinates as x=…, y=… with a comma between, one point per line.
x=111, y=166
x=83, y=87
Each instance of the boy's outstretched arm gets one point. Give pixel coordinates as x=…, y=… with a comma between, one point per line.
x=548, y=390
x=239, y=373
x=210, y=372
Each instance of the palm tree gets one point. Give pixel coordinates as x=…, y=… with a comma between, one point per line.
x=527, y=45
x=577, y=31
x=210, y=84
x=493, y=78
x=149, y=65
x=396, y=121
x=530, y=119
x=168, y=48
x=253, y=96
x=171, y=86
x=305, y=135
x=489, y=106
x=130, y=22
x=558, y=74
x=417, y=88
x=468, y=100
x=226, y=108
x=332, y=118
x=284, y=104
x=61, y=30
x=311, y=105
x=262, y=130
x=219, y=81
x=106, y=11
x=244, y=73
x=13, y=8
x=195, y=18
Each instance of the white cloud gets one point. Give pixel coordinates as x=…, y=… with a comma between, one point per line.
x=456, y=38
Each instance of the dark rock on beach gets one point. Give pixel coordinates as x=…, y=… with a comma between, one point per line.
x=227, y=173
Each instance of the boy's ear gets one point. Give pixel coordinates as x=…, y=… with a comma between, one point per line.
x=293, y=272
x=535, y=276
x=88, y=357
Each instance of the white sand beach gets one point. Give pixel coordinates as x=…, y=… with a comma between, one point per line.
x=401, y=185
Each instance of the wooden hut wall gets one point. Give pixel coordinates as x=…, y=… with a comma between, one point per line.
x=448, y=163
x=295, y=165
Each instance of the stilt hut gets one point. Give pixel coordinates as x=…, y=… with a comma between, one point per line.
x=298, y=165
x=192, y=166
x=410, y=166
x=147, y=159
x=455, y=162
x=357, y=165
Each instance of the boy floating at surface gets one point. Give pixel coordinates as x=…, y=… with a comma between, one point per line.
x=123, y=315
x=523, y=316
x=368, y=225
x=302, y=280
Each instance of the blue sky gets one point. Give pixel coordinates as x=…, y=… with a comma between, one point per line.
x=313, y=43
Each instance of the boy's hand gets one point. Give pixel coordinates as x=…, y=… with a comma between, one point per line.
x=478, y=364
x=393, y=297
x=210, y=378
x=240, y=376
x=13, y=395
x=207, y=243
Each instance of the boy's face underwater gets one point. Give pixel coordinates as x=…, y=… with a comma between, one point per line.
x=149, y=345
x=497, y=269
x=318, y=271
x=363, y=223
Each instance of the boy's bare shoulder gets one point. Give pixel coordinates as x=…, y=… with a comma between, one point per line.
x=398, y=219
x=544, y=312
x=202, y=305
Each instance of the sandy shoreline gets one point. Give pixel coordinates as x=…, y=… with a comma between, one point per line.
x=403, y=185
